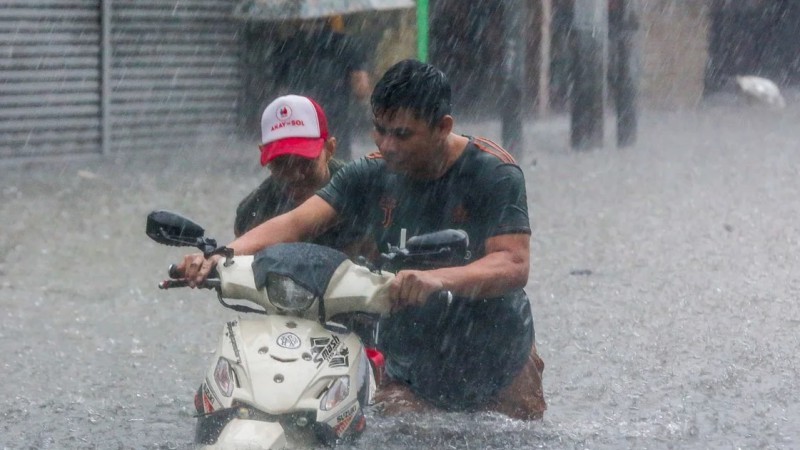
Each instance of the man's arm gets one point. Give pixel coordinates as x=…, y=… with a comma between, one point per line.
x=359, y=84
x=306, y=221
x=504, y=268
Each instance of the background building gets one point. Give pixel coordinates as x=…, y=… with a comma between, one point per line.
x=92, y=76
x=100, y=76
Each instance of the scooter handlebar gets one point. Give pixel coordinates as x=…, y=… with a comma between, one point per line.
x=177, y=280
x=171, y=284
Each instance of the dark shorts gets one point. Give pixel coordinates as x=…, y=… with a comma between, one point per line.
x=459, y=356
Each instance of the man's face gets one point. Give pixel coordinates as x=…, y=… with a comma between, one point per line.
x=409, y=145
x=299, y=173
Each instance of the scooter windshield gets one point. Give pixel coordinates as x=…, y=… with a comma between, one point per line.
x=309, y=265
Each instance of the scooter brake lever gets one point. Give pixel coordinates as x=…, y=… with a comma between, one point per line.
x=173, y=272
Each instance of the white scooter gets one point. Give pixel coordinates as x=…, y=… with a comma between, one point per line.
x=293, y=375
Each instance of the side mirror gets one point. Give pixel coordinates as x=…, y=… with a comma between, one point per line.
x=169, y=228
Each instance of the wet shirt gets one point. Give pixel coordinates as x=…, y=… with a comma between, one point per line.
x=270, y=200
x=456, y=356
x=483, y=194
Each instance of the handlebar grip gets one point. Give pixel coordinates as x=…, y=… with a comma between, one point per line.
x=173, y=272
x=169, y=284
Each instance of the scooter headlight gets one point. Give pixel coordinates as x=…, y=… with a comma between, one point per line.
x=287, y=295
x=223, y=375
x=338, y=391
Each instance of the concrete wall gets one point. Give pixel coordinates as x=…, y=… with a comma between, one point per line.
x=674, y=52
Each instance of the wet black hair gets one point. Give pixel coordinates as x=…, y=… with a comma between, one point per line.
x=419, y=87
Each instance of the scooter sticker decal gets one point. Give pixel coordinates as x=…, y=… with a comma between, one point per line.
x=209, y=400
x=344, y=419
x=327, y=349
x=340, y=359
x=288, y=340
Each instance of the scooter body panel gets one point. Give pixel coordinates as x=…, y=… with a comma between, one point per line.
x=284, y=366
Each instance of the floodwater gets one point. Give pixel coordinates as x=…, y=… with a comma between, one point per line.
x=664, y=281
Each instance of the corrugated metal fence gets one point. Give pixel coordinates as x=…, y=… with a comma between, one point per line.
x=175, y=71
x=172, y=69
x=49, y=77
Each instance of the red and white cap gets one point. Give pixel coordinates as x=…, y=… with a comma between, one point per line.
x=292, y=125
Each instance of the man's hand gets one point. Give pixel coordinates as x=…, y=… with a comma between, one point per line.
x=413, y=288
x=195, y=268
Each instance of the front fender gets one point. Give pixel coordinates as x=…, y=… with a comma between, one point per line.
x=239, y=434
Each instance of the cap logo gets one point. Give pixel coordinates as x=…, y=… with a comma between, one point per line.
x=289, y=123
x=284, y=112
x=294, y=125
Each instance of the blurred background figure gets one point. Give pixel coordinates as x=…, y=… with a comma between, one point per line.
x=318, y=60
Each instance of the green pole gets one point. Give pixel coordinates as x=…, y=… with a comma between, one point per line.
x=422, y=30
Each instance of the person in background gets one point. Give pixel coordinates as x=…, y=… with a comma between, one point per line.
x=319, y=61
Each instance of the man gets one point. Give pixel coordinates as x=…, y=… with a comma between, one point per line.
x=300, y=160
x=298, y=149
x=462, y=355
x=320, y=61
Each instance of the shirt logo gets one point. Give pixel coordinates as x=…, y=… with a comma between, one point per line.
x=388, y=205
x=459, y=214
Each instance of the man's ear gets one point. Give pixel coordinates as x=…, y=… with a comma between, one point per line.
x=445, y=125
x=330, y=148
